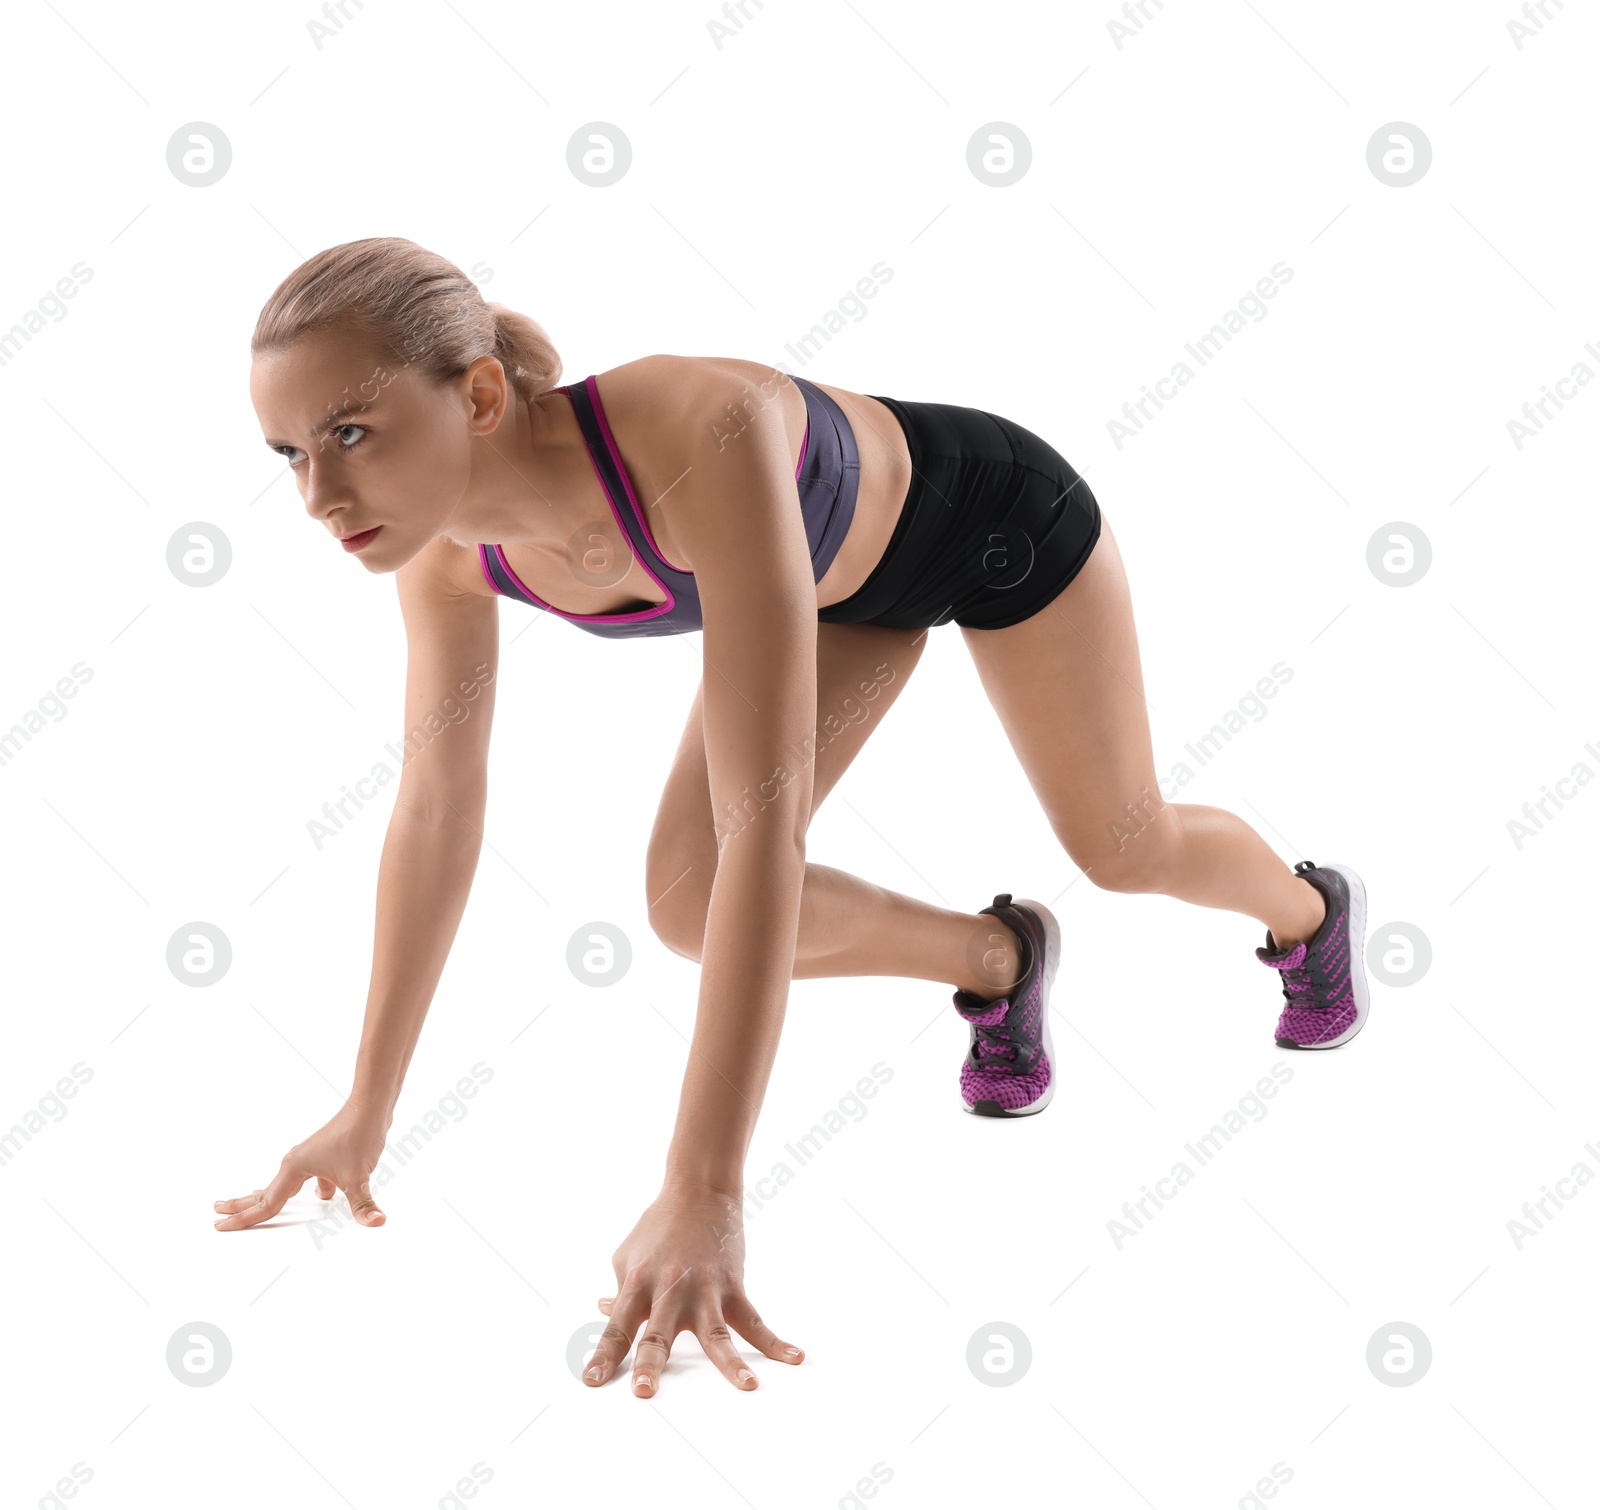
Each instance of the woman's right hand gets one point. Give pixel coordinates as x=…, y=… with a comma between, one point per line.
x=342, y=1153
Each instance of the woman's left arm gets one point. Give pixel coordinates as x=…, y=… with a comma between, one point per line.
x=736, y=517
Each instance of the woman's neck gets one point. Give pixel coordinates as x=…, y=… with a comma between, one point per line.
x=524, y=486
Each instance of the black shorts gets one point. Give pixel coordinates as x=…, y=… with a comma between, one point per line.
x=995, y=524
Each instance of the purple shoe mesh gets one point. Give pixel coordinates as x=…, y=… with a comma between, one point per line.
x=987, y=1073
x=1318, y=1001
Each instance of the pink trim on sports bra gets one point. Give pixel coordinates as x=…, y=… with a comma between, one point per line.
x=656, y=609
x=622, y=471
x=616, y=456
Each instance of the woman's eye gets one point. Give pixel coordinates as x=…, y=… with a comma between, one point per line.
x=294, y=455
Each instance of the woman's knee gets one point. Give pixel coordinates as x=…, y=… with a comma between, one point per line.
x=1132, y=857
x=678, y=898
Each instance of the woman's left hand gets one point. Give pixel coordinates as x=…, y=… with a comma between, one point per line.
x=682, y=1269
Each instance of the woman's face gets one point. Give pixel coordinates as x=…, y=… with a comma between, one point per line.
x=373, y=446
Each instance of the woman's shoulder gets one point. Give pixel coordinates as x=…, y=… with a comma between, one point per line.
x=444, y=569
x=672, y=414
x=666, y=397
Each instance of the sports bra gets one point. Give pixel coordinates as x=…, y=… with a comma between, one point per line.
x=826, y=477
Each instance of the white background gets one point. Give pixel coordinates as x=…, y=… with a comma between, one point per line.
x=376, y=1368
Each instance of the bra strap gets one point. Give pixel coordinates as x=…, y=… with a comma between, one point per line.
x=607, y=459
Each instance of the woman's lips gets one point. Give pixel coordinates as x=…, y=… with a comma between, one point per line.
x=361, y=541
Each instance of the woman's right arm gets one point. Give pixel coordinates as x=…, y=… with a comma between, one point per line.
x=424, y=877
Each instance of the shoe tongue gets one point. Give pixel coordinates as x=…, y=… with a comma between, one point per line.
x=983, y=1014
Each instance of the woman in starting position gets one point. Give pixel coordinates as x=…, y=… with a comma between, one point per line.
x=813, y=535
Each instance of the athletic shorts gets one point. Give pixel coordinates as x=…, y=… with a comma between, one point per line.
x=995, y=524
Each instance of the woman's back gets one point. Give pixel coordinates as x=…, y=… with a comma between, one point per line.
x=616, y=439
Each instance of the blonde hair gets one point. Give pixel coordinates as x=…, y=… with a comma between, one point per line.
x=417, y=305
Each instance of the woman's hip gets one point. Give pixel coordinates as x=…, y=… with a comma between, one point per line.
x=996, y=522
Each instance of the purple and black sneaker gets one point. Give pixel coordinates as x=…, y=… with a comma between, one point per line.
x=1325, y=979
x=1009, y=1070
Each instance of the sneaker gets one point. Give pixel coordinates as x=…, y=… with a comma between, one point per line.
x=1325, y=980
x=1009, y=1068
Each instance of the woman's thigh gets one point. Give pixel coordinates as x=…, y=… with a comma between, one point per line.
x=861, y=669
x=1067, y=686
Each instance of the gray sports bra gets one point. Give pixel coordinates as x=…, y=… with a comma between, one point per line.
x=826, y=477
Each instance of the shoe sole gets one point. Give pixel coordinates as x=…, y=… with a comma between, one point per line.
x=1052, y=958
x=1358, y=970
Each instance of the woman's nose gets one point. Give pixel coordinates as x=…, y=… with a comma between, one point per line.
x=318, y=492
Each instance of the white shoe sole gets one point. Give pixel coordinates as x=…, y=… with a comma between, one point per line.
x=1052, y=958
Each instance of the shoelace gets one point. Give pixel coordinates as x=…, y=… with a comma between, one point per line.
x=995, y=1047
x=1299, y=984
